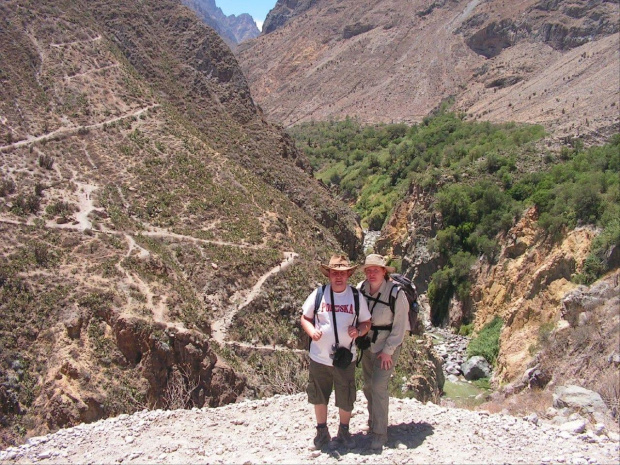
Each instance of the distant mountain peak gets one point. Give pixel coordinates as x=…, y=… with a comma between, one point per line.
x=233, y=29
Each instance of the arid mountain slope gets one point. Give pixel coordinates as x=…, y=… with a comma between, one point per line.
x=142, y=197
x=554, y=63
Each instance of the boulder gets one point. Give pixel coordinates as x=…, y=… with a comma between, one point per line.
x=574, y=426
x=579, y=399
x=535, y=378
x=73, y=323
x=475, y=368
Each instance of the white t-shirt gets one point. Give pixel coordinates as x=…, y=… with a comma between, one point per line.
x=345, y=316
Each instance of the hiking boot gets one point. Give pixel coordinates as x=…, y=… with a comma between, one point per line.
x=378, y=441
x=322, y=437
x=344, y=438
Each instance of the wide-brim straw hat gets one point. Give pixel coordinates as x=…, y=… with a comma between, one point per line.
x=377, y=260
x=339, y=263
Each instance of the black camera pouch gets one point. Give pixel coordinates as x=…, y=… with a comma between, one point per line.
x=342, y=357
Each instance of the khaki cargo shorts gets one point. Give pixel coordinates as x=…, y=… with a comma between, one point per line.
x=321, y=380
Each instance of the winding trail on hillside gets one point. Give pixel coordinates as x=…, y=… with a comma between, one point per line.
x=159, y=232
x=84, y=194
x=153, y=301
x=70, y=130
x=220, y=327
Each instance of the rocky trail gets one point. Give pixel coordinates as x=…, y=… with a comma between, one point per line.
x=280, y=430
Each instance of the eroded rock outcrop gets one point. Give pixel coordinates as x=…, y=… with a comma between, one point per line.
x=154, y=364
x=526, y=288
x=420, y=358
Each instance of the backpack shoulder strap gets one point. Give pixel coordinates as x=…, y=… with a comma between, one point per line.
x=371, y=298
x=317, y=303
x=356, y=300
x=319, y=296
x=394, y=296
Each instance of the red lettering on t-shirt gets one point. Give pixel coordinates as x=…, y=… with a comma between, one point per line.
x=339, y=308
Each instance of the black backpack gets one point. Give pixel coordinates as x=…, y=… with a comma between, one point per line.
x=319, y=296
x=404, y=284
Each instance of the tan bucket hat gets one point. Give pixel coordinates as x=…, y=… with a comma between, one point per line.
x=338, y=262
x=377, y=260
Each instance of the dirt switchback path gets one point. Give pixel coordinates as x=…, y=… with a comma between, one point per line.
x=220, y=327
x=280, y=430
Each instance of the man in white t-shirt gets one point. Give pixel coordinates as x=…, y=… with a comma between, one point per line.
x=319, y=326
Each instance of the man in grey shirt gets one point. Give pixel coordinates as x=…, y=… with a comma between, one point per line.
x=386, y=337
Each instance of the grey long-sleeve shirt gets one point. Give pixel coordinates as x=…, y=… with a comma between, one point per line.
x=387, y=341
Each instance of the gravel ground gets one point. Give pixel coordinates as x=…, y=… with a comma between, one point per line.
x=280, y=430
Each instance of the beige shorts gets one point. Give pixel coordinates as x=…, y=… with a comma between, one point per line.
x=323, y=378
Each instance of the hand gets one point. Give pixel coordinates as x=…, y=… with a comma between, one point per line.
x=386, y=360
x=352, y=332
x=316, y=334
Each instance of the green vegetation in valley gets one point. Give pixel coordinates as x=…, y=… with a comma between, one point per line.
x=486, y=342
x=482, y=176
x=465, y=394
x=373, y=166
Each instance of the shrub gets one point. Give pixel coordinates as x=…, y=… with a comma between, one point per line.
x=59, y=208
x=24, y=205
x=596, y=263
x=486, y=343
x=7, y=187
x=440, y=291
x=46, y=161
x=466, y=329
x=38, y=189
x=41, y=254
x=376, y=218
x=179, y=388
x=447, y=241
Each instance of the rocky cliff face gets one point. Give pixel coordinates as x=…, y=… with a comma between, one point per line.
x=526, y=288
x=285, y=10
x=563, y=25
x=407, y=233
x=533, y=61
x=530, y=287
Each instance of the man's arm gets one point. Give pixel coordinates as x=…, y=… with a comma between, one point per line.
x=308, y=326
x=360, y=330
